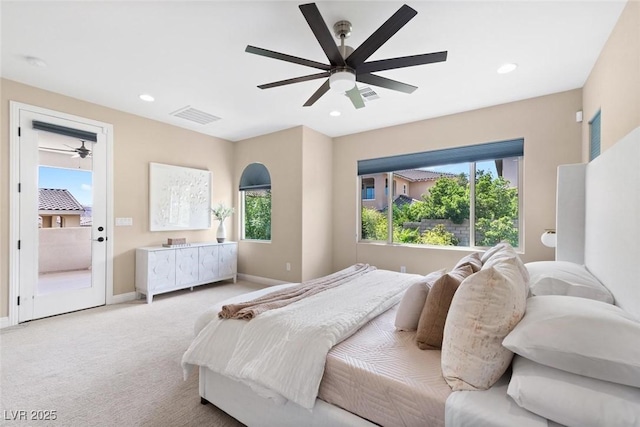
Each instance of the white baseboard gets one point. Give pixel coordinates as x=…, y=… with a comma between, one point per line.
x=120, y=298
x=260, y=280
x=4, y=322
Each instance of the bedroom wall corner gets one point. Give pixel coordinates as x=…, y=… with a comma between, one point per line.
x=613, y=86
x=281, y=153
x=317, y=202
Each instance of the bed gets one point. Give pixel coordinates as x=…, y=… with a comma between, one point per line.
x=373, y=374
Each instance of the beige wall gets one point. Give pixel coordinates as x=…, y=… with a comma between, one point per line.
x=137, y=141
x=552, y=137
x=64, y=249
x=614, y=83
x=317, y=196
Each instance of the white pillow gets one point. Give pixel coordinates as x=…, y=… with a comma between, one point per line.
x=571, y=399
x=565, y=278
x=581, y=336
x=413, y=300
x=484, y=309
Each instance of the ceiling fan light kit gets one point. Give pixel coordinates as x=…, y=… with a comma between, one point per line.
x=346, y=65
x=342, y=80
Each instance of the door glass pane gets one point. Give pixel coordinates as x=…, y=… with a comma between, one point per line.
x=65, y=195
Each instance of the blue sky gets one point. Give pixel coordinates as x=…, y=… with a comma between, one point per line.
x=77, y=181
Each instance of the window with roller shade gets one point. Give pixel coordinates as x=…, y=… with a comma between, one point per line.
x=255, y=196
x=441, y=204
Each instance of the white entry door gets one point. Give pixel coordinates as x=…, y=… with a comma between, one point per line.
x=62, y=215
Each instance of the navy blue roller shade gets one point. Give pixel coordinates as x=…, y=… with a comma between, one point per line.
x=255, y=177
x=594, y=137
x=448, y=156
x=62, y=130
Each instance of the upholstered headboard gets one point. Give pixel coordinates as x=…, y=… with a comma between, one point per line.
x=609, y=187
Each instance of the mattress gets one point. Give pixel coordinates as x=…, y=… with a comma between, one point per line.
x=381, y=375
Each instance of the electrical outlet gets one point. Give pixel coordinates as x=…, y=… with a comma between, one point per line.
x=288, y=266
x=403, y=269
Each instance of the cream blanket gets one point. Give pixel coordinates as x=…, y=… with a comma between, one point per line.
x=282, y=352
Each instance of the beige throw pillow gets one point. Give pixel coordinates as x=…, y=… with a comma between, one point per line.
x=436, y=307
x=413, y=300
x=472, y=260
x=486, y=307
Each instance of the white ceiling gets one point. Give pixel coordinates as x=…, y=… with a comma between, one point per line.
x=192, y=54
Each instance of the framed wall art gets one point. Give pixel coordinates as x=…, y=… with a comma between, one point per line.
x=179, y=198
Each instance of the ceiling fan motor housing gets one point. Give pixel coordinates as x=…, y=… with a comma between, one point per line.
x=342, y=29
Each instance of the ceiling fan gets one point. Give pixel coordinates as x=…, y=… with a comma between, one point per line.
x=346, y=65
x=81, y=151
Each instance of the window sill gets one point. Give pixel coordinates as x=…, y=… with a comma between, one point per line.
x=469, y=249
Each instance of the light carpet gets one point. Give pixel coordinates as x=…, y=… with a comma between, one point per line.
x=116, y=365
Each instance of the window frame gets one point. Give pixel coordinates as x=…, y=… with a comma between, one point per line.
x=255, y=177
x=472, y=202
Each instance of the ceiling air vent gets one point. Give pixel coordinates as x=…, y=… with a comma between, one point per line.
x=195, y=115
x=368, y=94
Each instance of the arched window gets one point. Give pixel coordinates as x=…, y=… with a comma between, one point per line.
x=255, y=196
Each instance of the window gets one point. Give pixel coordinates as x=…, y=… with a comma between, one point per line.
x=386, y=187
x=368, y=188
x=255, y=196
x=453, y=209
x=594, y=137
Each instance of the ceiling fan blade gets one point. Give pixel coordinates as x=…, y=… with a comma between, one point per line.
x=380, y=36
x=402, y=62
x=284, y=57
x=372, y=79
x=317, y=94
x=56, y=149
x=355, y=97
x=322, y=33
x=294, y=80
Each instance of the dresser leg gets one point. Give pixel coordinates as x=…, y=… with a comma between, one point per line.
x=149, y=298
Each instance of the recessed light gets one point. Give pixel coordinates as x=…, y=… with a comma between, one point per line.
x=36, y=62
x=335, y=113
x=147, y=97
x=507, y=68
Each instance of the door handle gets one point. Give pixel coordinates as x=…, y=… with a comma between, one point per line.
x=100, y=239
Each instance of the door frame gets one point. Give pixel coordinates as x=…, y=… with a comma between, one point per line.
x=14, y=201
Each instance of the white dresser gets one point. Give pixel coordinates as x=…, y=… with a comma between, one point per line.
x=160, y=269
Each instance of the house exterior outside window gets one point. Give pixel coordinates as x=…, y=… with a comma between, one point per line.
x=442, y=206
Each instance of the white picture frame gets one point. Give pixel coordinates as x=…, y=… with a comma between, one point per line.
x=179, y=198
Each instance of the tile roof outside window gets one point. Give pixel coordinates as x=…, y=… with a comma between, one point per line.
x=52, y=199
x=415, y=175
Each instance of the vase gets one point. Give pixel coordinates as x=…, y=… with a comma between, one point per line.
x=222, y=233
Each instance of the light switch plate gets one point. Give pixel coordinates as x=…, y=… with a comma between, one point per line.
x=122, y=222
